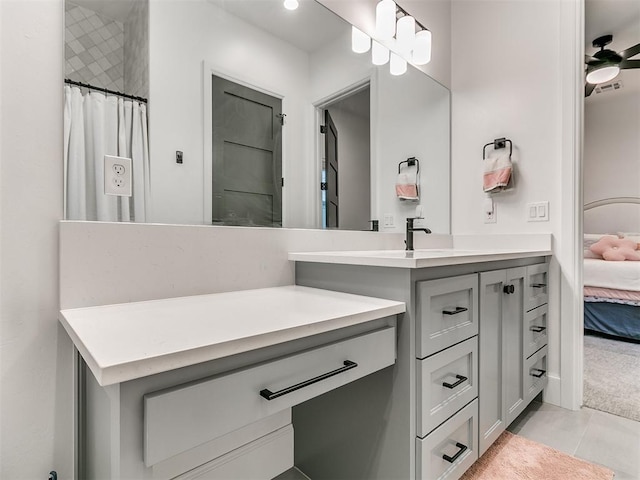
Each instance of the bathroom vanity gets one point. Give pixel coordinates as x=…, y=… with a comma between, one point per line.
x=471, y=355
x=202, y=386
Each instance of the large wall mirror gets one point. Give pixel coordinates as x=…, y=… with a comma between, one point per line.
x=241, y=112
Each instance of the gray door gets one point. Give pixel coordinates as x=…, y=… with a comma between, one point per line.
x=331, y=168
x=247, y=156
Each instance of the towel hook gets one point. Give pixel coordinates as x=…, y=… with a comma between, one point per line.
x=498, y=143
x=410, y=163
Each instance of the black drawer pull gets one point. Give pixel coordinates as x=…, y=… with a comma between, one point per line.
x=509, y=289
x=460, y=378
x=537, y=329
x=269, y=395
x=538, y=285
x=539, y=373
x=455, y=457
x=456, y=311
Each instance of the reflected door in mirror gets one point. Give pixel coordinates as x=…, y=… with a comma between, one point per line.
x=247, y=156
x=331, y=171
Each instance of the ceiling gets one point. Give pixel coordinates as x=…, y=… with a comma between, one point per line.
x=620, y=18
x=309, y=27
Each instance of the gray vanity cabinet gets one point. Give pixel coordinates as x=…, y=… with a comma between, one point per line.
x=462, y=327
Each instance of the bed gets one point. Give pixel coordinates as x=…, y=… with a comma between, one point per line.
x=611, y=288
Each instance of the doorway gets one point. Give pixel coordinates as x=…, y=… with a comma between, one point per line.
x=345, y=150
x=247, y=155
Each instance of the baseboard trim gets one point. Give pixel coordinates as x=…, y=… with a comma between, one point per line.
x=552, y=393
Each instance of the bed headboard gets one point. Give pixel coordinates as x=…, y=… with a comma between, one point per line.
x=612, y=215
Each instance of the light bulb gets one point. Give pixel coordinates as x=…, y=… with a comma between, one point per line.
x=386, y=19
x=379, y=54
x=398, y=65
x=360, y=41
x=290, y=4
x=422, y=48
x=603, y=74
x=406, y=33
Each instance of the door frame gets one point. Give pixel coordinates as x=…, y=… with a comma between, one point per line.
x=319, y=106
x=209, y=69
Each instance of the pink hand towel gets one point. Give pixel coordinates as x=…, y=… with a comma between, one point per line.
x=407, y=186
x=497, y=173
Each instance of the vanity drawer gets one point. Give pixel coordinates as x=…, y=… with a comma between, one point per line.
x=535, y=374
x=451, y=448
x=183, y=417
x=535, y=330
x=446, y=311
x=447, y=381
x=536, y=286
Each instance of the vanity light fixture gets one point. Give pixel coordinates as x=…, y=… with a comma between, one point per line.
x=603, y=74
x=291, y=4
x=386, y=19
x=397, y=65
x=360, y=41
x=395, y=31
x=379, y=54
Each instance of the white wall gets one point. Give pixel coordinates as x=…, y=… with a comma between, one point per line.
x=36, y=400
x=182, y=36
x=611, y=159
x=515, y=69
x=413, y=121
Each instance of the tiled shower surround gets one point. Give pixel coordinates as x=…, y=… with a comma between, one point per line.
x=94, y=48
x=107, y=53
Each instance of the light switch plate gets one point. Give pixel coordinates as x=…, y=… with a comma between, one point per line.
x=117, y=176
x=538, y=212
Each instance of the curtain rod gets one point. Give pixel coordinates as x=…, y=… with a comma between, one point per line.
x=105, y=90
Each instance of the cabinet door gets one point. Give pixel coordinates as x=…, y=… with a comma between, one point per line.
x=512, y=338
x=491, y=421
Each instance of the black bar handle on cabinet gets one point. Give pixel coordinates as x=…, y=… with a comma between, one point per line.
x=539, y=373
x=269, y=395
x=456, y=311
x=538, y=285
x=462, y=448
x=537, y=329
x=461, y=378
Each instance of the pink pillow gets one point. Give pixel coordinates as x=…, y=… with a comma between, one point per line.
x=616, y=249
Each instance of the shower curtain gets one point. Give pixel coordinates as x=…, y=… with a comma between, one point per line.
x=96, y=125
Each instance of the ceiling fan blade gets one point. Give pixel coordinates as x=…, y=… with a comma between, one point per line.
x=588, y=89
x=630, y=64
x=630, y=52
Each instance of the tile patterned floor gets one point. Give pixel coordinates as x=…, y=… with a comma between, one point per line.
x=592, y=435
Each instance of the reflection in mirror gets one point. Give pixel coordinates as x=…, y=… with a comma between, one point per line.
x=257, y=115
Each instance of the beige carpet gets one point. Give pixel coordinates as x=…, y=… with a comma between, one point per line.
x=513, y=457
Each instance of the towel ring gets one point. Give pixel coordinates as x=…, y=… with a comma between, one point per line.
x=410, y=163
x=498, y=143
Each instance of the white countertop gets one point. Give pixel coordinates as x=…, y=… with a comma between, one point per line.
x=132, y=340
x=416, y=258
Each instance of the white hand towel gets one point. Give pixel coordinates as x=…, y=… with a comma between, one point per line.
x=497, y=173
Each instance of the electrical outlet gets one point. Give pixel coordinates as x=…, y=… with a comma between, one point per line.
x=388, y=220
x=117, y=176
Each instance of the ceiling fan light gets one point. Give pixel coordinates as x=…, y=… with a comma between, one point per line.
x=422, y=48
x=603, y=74
x=360, y=41
x=386, y=19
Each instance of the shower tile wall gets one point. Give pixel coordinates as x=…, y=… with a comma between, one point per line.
x=94, y=48
x=136, y=51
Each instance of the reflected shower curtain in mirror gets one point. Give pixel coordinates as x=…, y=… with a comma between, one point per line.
x=96, y=125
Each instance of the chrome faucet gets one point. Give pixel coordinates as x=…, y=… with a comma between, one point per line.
x=410, y=230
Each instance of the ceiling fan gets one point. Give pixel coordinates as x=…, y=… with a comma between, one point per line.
x=605, y=64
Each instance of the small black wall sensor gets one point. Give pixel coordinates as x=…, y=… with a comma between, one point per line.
x=178, y=156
